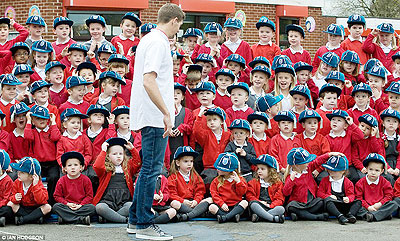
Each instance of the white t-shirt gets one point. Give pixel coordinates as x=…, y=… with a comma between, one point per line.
x=153, y=54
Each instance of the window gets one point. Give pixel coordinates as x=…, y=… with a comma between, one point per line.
x=193, y=20
x=283, y=22
x=80, y=31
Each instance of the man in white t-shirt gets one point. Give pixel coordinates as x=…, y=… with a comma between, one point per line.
x=152, y=112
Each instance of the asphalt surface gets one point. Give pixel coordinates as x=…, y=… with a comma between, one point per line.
x=212, y=231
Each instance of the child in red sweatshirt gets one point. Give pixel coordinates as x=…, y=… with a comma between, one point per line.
x=55, y=76
x=237, y=64
x=6, y=184
x=126, y=40
x=227, y=189
x=350, y=66
x=328, y=95
x=269, y=104
x=356, y=25
x=239, y=96
x=296, y=53
x=233, y=44
x=375, y=192
x=19, y=146
x=8, y=94
x=377, y=77
x=75, y=86
x=361, y=94
x=62, y=28
x=119, y=64
x=265, y=47
x=29, y=197
x=259, y=122
x=223, y=79
x=74, y=193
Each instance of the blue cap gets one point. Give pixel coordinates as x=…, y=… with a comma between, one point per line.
x=205, y=86
x=263, y=69
x=113, y=75
x=226, y=72
x=73, y=81
x=147, y=27
x=216, y=111
x=176, y=55
x=116, y=141
x=22, y=69
x=53, y=64
x=258, y=115
x=96, y=19
x=285, y=115
x=40, y=112
x=337, y=113
x=213, y=27
x=371, y=63
x=36, y=20
x=369, y=120
x=299, y=156
x=203, y=57
x=10, y=79
x=107, y=48
x=233, y=23
x=336, y=163
x=185, y=151
x=62, y=20
x=87, y=65
x=378, y=71
x=119, y=110
x=350, y=56
x=279, y=60
x=5, y=21
x=133, y=17
x=264, y=21
x=39, y=84
x=180, y=87
x=335, y=30
x=96, y=108
x=396, y=56
x=118, y=58
x=29, y=165
x=19, y=108
x=42, y=46
x=362, y=87
x=330, y=58
x=330, y=88
x=240, y=124
x=19, y=45
x=390, y=113
x=78, y=47
x=4, y=160
x=374, y=157
x=335, y=75
x=265, y=102
x=356, y=19
x=193, y=32
x=227, y=162
x=267, y=160
x=299, y=66
x=301, y=90
x=287, y=68
x=239, y=85
x=308, y=114
x=72, y=112
x=385, y=28
x=237, y=58
x=295, y=27
x=72, y=155
x=394, y=87
x=260, y=60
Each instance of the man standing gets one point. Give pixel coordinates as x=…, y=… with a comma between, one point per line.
x=152, y=112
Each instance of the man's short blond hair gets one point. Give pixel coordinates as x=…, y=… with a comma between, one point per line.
x=168, y=12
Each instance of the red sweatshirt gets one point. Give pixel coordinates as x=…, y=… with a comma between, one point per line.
x=315, y=64
x=357, y=47
x=297, y=56
x=243, y=50
x=377, y=52
x=261, y=146
x=297, y=189
x=82, y=107
x=326, y=123
x=78, y=191
x=371, y=194
x=345, y=144
x=267, y=51
x=58, y=98
x=274, y=128
x=35, y=196
x=230, y=193
x=274, y=191
x=5, y=190
x=319, y=145
x=90, y=96
x=191, y=100
x=19, y=147
x=5, y=140
x=380, y=104
x=58, y=48
x=125, y=92
x=164, y=190
x=98, y=141
x=325, y=188
x=82, y=144
x=355, y=113
x=21, y=37
x=239, y=114
x=126, y=43
x=363, y=147
x=9, y=127
x=222, y=101
x=280, y=147
x=115, y=101
x=207, y=50
x=43, y=143
x=133, y=168
x=397, y=188
x=180, y=190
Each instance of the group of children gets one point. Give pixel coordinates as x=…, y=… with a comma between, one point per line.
x=255, y=128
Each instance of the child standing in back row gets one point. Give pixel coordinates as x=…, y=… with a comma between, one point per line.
x=265, y=47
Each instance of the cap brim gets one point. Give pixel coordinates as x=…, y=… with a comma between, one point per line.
x=230, y=75
x=259, y=25
x=231, y=87
x=67, y=22
x=117, y=112
x=137, y=21
x=117, y=60
x=309, y=68
x=294, y=28
x=116, y=141
x=283, y=118
x=295, y=92
x=336, y=90
x=284, y=69
x=252, y=117
x=367, y=161
x=182, y=88
x=72, y=154
x=193, y=154
x=89, y=21
x=102, y=111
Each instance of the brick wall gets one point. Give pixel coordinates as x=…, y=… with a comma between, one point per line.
x=49, y=9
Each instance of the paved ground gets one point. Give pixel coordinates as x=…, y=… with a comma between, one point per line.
x=212, y=231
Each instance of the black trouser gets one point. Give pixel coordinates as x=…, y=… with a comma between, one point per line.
x=69, y=216
x=50, y=170
x=337, y=208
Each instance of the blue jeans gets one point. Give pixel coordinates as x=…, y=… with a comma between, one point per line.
x=153, y=151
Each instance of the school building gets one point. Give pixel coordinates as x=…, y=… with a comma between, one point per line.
x=199, y=12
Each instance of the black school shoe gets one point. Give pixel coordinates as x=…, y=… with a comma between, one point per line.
x=294, y=217
x=18, y=220
x=254, y=218
x=369, y=217
x=2, y=221
x=237, y=218
x=85, y=220
x=342, y=219
x=351, y=218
